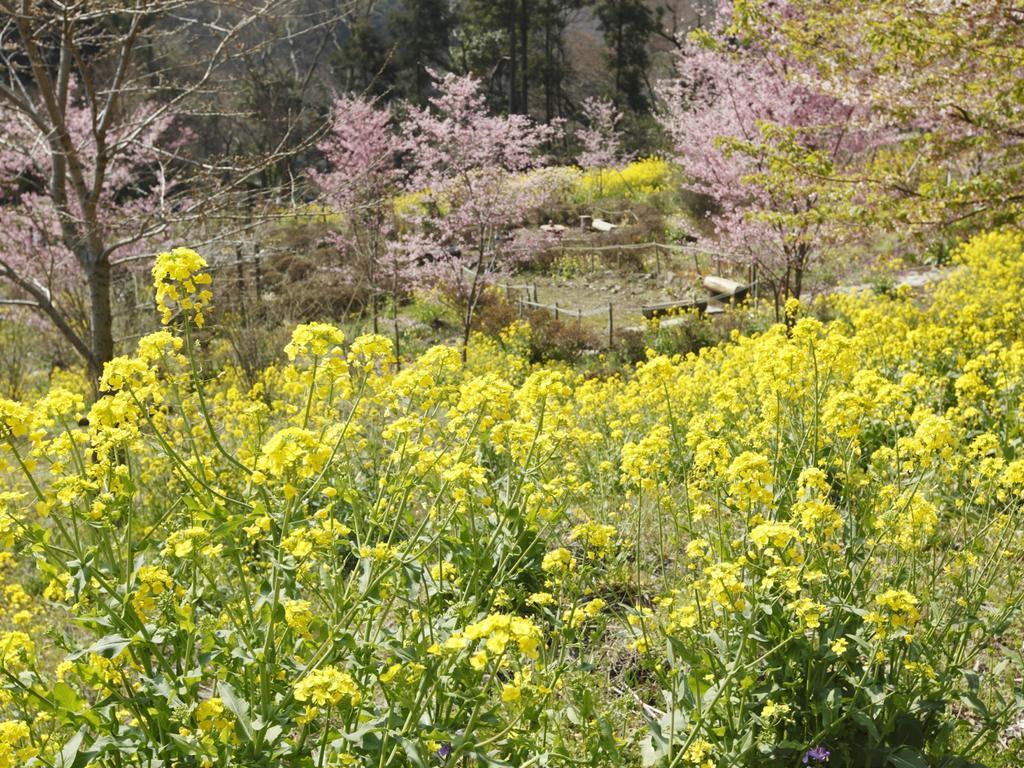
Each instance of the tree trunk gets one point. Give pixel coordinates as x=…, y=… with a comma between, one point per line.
x=101, y=321
x=619, y=56
x=471, y=299
x=524, y=32
x=549, y=102
x=467, y=326
x=799, y=268
x=372, y=274
x=513, y=57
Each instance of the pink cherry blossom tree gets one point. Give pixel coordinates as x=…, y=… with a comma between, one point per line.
x=71, y=201
x=600, y=137
x=362, y=179
x=469, y=167
x=758, y=138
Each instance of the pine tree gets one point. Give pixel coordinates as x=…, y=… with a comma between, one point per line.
x=365, y=61
x=550, y=68
x=628, y=26
x=489, y=48
x=422, y=31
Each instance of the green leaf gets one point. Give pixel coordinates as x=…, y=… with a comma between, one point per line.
x=70, y=755
x=832, y=707
x=976, y=705
x=412, y=751
x=185, y=745
x=237, y=706
x=571, y=714
x=906, y=757
x=67, y=698
x=867, y=723
x=875, y=694
x=108, y=647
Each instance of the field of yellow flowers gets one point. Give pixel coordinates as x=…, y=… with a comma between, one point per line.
x=635, y=181
x=799, y=548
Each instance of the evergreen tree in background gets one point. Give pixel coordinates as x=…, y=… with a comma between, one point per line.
x=551, y=68
x=365, y=62
x=489, y=47
x=518, y=49
x=422, y=34
x=628, y=26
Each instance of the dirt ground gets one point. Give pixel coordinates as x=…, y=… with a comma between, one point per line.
x=583, y=287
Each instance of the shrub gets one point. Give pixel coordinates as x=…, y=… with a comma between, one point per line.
x=542, y=338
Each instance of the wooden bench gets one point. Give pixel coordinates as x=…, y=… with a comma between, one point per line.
x=723, y=290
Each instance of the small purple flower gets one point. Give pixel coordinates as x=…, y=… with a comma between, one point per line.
x=444, y=750
x=816, y=756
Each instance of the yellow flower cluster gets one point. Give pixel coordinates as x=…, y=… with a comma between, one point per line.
x=577, y=616
x=327, y=686
x=316, y=340
x=498, y=631
x=897, y=611
x=178, y=276
x=750, y=480
x=15, y=418
x=153, y=581
x=635, y=181
x=213, y=719
x=558, y=562
x=15, y=745
x=294, y=450
x=598, y=538
x=298, y=614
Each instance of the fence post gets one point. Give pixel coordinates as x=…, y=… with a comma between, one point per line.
x=258, y=272
x=240, y=291
x=520, y=309
x=611, y=325
x=556, y=310
x=579, y=318
x=135, y=291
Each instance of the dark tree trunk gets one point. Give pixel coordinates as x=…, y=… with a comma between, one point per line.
x=513, y=58
x=619, y=56
x=524, y=45
x=101, y=321
x=801, y=266
x=549, y=102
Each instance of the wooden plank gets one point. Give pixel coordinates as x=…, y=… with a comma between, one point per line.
x=667, y=307
x=724, y=289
